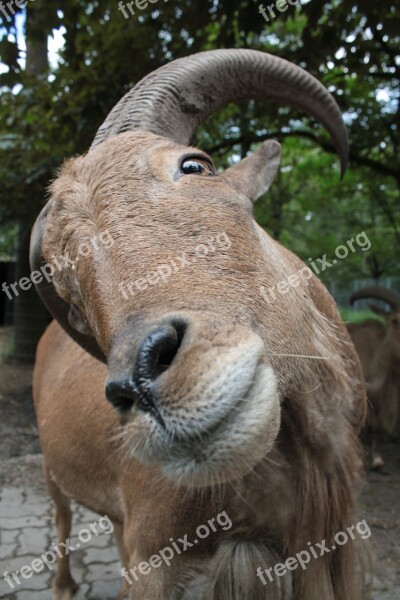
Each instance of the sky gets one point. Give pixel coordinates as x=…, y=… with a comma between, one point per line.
x=56, y=42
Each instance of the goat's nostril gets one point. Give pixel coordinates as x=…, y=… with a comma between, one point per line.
x=122, y=395
x=123, y=404
x=155, y=355
x=157, y=352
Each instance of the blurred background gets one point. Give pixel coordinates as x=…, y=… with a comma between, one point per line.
x=65, y=63
x=63, y=66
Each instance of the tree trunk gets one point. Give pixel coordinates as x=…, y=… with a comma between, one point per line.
x=30, y=316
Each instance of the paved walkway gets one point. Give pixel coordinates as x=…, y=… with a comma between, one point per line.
x=27, y=531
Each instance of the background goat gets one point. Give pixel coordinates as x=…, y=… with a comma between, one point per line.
x=225, y=402
x=378, y=346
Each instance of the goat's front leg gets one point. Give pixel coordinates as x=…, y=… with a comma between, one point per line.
x=162, y=581
x=153, y=586
x=64, y=587
x=124, y=558
x=167, y=557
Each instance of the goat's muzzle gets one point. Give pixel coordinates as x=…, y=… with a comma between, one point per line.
x=196, y=395
x=155, y=355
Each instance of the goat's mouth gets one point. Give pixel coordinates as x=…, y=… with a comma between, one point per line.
x=233, y=445
x=210, y=447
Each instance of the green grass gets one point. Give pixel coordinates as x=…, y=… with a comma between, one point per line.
x=352, y=316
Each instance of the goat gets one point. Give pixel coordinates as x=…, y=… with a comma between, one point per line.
x=378, y=346
x=222, y=402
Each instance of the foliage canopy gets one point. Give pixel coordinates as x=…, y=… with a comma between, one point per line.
x=351, y=46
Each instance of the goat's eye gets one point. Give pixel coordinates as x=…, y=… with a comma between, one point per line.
x=196, y=166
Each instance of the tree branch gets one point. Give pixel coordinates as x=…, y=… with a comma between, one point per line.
x=324, y=144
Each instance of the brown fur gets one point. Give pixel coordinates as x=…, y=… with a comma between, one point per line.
x=297, y=481
x=378, y=347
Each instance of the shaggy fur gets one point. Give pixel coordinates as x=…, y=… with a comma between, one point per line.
x=288, y=465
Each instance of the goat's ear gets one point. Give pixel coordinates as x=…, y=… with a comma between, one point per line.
x=254, y=175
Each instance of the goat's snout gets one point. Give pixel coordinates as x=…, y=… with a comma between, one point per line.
x=196, y=395
x=155, y=355
x=157, y=351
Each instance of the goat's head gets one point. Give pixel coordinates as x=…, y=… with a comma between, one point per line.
x=392, y=316
x=173, y=303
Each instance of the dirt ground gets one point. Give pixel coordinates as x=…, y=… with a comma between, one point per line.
x=380, y=500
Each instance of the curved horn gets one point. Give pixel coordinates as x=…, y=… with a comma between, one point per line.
x=173, y=100
x=57, y=307
x=379, y=293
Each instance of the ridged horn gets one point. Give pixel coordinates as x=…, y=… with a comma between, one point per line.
x=173, y=100
x=379, y=293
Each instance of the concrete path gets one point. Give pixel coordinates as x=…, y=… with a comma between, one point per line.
x=27, y=531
